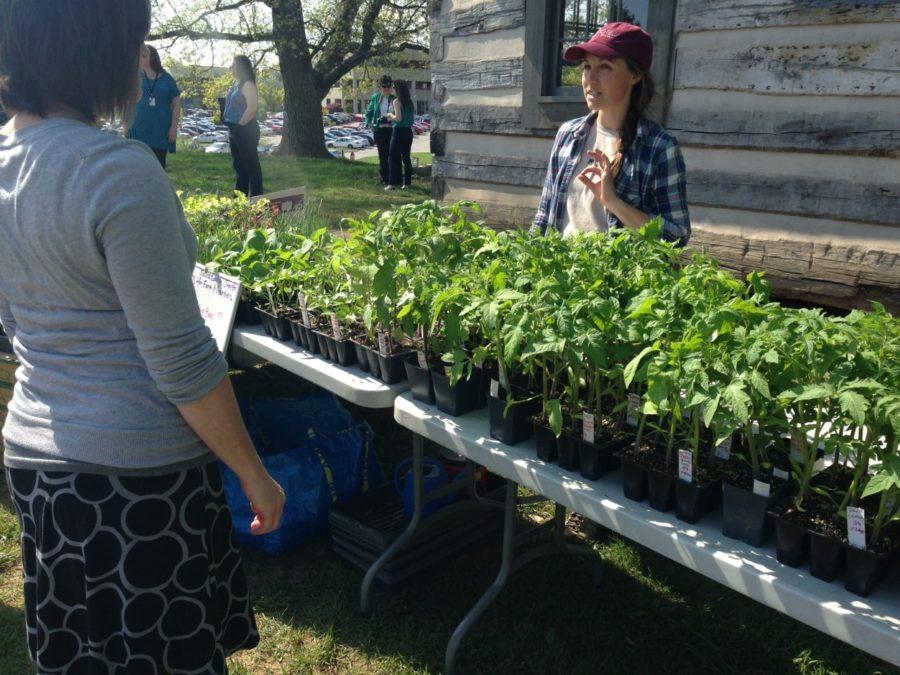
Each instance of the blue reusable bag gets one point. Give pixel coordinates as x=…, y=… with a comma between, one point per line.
x=317, y=452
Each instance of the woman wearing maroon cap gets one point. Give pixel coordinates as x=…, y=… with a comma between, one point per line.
x=627, y=169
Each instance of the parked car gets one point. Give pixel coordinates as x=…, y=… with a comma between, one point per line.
x=219, y=147
x=348, y=142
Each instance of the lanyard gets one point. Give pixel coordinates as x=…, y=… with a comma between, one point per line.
x=152, y=83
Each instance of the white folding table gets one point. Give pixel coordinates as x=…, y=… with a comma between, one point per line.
x=871, y=624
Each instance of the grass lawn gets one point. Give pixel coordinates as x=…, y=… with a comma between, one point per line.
x=342, y=188
x=649, y=616
x=424, y=158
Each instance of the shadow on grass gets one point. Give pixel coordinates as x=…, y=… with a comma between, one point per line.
x=13, y=646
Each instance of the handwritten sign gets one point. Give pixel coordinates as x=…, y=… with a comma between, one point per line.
x=723, y=449
x=761, y=489
x=423, y=362
x=336, y=328
x=634, y=401
x=495, y=389
x=780, y=473
x=686, y=466
x=284, y=200
x=304, y=310
x=856, y=527
x=217, y=296
x=382, y=344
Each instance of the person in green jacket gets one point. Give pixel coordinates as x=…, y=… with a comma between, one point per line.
x=380, y=105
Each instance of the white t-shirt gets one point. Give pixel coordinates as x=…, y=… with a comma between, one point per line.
x=385, y=109
x=584, y=212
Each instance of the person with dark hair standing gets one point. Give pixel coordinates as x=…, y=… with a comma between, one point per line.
x=380, y=105
x=401, y=117
x=159, y=110
x=241, y=107
x=122, y=401
x=629, y=169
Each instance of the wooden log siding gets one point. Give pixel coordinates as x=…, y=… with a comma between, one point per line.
x=482, y=74
x=865, y=132
x=491, y=169
x=695, y=15
x=871, y=202
x=862, y=69
x=485, y=17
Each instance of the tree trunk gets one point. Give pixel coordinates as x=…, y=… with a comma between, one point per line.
x=303, y=134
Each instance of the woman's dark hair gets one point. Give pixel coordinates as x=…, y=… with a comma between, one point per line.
x=155, y=63
x=402, y=88
x=101, y=41
x=641, y=96
x=386, y=81
x=244, y=68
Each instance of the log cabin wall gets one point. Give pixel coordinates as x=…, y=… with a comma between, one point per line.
x=787, y=111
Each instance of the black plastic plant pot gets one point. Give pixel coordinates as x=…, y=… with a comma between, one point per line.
x=265, y=319
x=660, y=490
x=331, y=345
x=515, y=427
x=486, y=372
x=745, y=516
x=322, y=343
x=791, y=542
x=456, y=399
x=865, y=569
x=545, y=440
x=281, y=329
x=299, y=338
x=693, y=501
x=569, y=455
x=826, y=557
x=345, y=354
x=247, y=314
x=602, y=456
x=391, y=367
x=634, y=480
x=419, y=381
x=312, y=344
x=361, y=359
x=372, y=360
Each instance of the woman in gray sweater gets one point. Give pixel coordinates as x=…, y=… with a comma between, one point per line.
x=122, y=401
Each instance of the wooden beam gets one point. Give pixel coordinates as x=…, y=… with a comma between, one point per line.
x=485, y=74
x=869, y=202
x=695, y=15
x=488, y=169
x=485, y=17
x=810, y=68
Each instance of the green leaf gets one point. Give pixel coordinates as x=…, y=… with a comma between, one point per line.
x=879, y=483
x=633, y=365
x=814, y=392
x=737, y=398
x=854, y=405
x=555, y=416
x=760, y=383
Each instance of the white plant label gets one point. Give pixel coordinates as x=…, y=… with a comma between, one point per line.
x=382, y=344
x=798, y=447
x=781, y=473
x=686, y=466
x=588, y=428
x=423, y=363
x=761, y=489
x=723, y=449
x=304, y=310
x=336, y=328
x=504, y=382
x=856, y=527
x=495, y=389
x=634, y=402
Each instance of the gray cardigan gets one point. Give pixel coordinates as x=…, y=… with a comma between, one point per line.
x=96, y=296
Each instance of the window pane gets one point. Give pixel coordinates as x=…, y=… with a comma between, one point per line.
x=580, y=20
x=634, y=11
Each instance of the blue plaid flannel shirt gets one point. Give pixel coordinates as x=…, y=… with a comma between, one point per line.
x=652, y=178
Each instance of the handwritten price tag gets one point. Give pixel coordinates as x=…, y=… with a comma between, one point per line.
x=495, y=389
x=798, y=447
x=382, y=344
x=336, y=328
x=588, y=428
x=761, y=489
x=504, y=381
x=723, y=449
x=634, y=402
x=781, y=473
x=423, y=363
x=686, y=466
x=856, y=527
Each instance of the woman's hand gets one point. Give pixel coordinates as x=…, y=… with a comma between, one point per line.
x=600, y=180
x=173, y=134
x=267, y=501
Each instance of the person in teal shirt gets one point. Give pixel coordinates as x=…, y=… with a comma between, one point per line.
x=380, y=105
x=159, y=110
x=401, y=117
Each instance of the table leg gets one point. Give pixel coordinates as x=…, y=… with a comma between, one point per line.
x=401, y=541
x=509, y=549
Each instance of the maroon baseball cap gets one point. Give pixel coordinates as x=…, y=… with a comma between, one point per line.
x=615, y=40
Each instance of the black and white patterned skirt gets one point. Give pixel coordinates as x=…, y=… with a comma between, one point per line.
x=136, y=575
